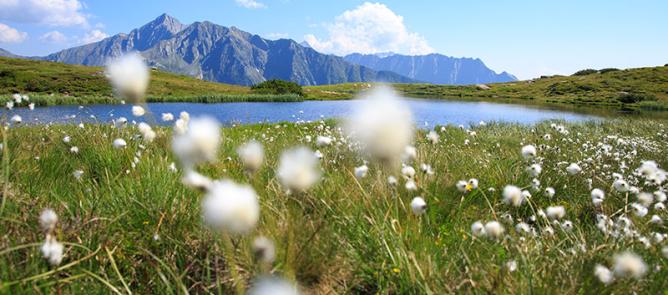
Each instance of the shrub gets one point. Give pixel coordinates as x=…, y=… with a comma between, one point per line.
x=585, y=72
x=278, y=87
x=635, y=97
x=607, y=70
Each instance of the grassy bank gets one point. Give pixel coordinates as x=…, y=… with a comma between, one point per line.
x=130, y=225
x=640, y=89
x=50, y=83
x=56, y=83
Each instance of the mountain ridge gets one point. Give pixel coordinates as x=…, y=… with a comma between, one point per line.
x=223, y=54
x=433, y=68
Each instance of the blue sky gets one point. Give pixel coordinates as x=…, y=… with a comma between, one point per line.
x=525, y=38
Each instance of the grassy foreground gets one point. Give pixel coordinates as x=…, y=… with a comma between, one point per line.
x=130, y=226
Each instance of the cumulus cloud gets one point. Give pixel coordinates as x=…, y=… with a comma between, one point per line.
x=369, y=28
x=46, y=12
x=251, y=4
x=93, y=36
x=11, y=35
x=53, y=37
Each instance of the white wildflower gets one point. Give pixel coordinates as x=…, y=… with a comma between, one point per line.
x=383, y=125
x=298, y=169
x=231, y=207
x=129, y=76
x=251, y=155
x=418, y=205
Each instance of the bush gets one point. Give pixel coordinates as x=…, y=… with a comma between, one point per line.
x=278, y=87
x=585, y=72
x=607, y=70
x=635, y=97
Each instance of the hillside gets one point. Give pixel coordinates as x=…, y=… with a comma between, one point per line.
x=88, y=84
x=641, y=88
x=645, y=88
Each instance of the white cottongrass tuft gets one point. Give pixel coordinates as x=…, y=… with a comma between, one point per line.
x=273, y=286
x=77, y=174
x=181, y=125
x=361, y=171
x=264, y=250
x=16, y=119
x=573, y=169
x=298, y=169
x=549, y=192
x=555, y=212
x=195, y=180
x=513, y=195
x=129, y=76
x=383, y=125
x=603, y=274
x=251, y=155
x=621, y=186
x=147, y=132
x=528, y=152
x=410, y=185
x=534, y=170
x=433, y=137
x=646, y=199
x=418, y=205
x=511, y=266
x=231, y=207
x=167, y=117
x=408, y=172
x=473, y=184
x=462, y=186
x=199, y=143
x=494, y=229
x=323, y=140
x=138, y=111
x=119, y=143
x=52, y=250
x=478, y=229
x=120, y=122
x=629, y=265
x=48, y=219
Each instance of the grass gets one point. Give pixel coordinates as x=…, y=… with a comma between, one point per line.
x=601, y=89
x=56, y=83
x=50, y=83
x=135, y=227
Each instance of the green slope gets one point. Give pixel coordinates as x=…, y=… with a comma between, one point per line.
x=645, y=88
x=57, y=83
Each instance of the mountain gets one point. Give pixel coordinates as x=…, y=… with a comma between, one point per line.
x=229, y=55
x=5, y=53
x=432, y=68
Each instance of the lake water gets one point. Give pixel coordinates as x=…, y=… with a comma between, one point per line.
x=425, y=112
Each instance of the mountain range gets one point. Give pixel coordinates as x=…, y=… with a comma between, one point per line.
x=229, y=55
x=432, y=68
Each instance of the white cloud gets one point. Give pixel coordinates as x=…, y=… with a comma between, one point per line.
x=276, y=36
x=11, y=35
x=93, y=36
x=251, y=4
x=369, y=28
x=53, y=37
x=46, y=12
